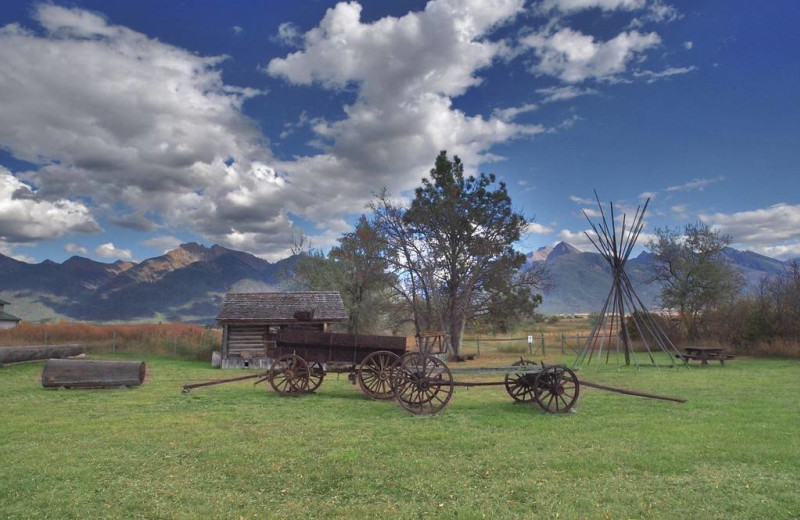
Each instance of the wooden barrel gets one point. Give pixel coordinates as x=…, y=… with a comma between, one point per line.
x=37, y=352
x=73, y=373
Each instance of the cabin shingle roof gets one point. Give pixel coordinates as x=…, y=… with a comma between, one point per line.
x=325, y=306
x=4, y=316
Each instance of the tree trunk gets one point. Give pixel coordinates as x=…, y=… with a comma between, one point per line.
x=456, y=331
x=72, y=373
x=39, y=352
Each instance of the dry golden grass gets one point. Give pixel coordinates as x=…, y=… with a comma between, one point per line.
x=177, y=339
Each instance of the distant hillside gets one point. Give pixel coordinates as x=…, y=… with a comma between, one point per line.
x=184, y=284
x=582, y=280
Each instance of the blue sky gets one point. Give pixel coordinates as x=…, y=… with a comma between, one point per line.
x=127, y=128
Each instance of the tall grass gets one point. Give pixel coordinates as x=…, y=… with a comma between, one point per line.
x=171, y=339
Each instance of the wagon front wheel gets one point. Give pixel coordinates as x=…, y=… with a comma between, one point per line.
x=556, y=389
x=423, y=384
x=289, y=375
x=375, y=374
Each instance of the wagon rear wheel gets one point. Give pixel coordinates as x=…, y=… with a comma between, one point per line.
x=423, y=384
x=556, y=389
x=521, y=386
x=375, y=374
x=289, y=375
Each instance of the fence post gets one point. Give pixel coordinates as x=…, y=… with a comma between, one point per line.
x=541, y=335
x=577, y=342
x=562, y=342
x=114, y=342
x=530, y=344
x=478, y=344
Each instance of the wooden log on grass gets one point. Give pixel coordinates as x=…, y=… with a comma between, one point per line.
x=37, y=353
x=73, y=373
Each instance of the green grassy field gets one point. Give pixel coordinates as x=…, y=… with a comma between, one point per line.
x=238, y=451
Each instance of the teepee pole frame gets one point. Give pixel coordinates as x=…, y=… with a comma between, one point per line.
x=616, y=248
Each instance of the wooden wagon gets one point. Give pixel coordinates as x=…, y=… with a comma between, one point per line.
x=303, y=358
x=300, y=360
x=420, y=382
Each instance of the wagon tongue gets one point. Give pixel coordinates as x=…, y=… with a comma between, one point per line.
x=632, y=392
x=264, y=378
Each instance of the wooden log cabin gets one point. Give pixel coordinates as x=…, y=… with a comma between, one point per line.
x=250, y=321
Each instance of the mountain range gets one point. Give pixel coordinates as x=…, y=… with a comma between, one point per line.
x=187, y=283
x=582, y=280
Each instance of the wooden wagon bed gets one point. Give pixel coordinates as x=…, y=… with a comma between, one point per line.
x=330, y=347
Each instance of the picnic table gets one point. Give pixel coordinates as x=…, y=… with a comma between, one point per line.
x=706, y=354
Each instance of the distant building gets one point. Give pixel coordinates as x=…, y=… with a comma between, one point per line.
x=250, y=321
x=7, y=321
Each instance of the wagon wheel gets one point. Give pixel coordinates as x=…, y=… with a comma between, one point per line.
x=556, y=389
x=374, y=374
x=316, y=373
x=521, y=386
x=422, y=383
x=289, y=375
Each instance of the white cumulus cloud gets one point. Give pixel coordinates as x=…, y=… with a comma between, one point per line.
x=25, y=217
x=536, y=228
x=288, y=34
x=773, y=231
x=508, y=114
x=131, y=123
x=75, y=248
x=163, y=243
x=108, y=250
x=574, y=57
x=406, y=72
x=581, y=200
x=578, y=239
x=570, y=6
